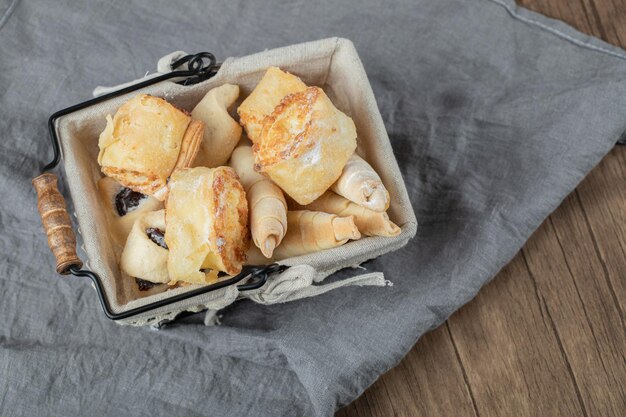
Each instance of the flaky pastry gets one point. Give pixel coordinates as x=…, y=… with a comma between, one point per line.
x=313, y=231
x=221, y=131
x=122, y=206
x=273, y=87
x=145, y=141
x=145, y=254
x=266, y=202
x=369, y=222
x=304, y=144
x=360, y=184
x=206, y=223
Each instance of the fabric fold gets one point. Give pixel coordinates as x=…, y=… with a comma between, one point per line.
x=495, y=114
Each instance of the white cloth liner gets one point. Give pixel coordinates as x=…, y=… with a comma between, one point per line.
x=330, y=63
x=298, y=282
x=164, y=66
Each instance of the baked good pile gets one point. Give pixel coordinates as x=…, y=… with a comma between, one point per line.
x=191, y=197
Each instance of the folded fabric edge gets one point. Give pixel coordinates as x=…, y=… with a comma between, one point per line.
x=560, y=29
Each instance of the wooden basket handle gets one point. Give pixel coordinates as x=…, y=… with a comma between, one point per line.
x=56, y=222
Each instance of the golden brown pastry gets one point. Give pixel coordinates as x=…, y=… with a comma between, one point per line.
x=122, y=206
x=273, y=87
x=313, y=231
x=360, y=184
x=304, y=144
x=145, y=141
x=266, y=202
x=206, y=223
x=221, y=132
x=145, y=253
x=369, y=222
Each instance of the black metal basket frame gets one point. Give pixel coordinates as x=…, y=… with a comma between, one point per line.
x=198, y=70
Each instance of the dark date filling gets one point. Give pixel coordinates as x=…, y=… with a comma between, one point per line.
x=156, y=236
x=220, y=274
x=127, y=200
x=144, y=285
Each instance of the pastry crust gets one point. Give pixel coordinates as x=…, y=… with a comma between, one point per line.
x=266, y=202
x=145, y=140
x=369, y=222
x=221, y=131
x=313, y=231
x=192, y=140
x=304, y=144
x=121, y=225
x=143, y=258
x=273, y=87
x=360, y=184
x=206, y=223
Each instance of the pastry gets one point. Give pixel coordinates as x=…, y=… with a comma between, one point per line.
x=304, y=144
x=206, y=224
x=145, y=141
x=369, y=222
x=313, y=231
x=122, y=206
x=361, y=184
x=273, y=87
x=266, y=202
x=221, y=132
x=255, y=257
x=145, y=254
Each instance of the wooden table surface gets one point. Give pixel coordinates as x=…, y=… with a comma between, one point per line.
x=547, y=336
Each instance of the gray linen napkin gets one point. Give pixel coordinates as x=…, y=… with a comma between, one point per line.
x=495, y=114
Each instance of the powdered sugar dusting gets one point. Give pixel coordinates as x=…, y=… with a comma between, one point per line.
x=314, y=155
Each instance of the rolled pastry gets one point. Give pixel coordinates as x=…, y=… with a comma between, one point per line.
x=145, y=253
x=221, y=132
x=313, y=231
x=145, y=141
x=206, y=223
x=273, y=87
x=266, y=202
x=369, y=222
x=361, y=184
x=304, y=144
x=255, y=257
x=122, y=206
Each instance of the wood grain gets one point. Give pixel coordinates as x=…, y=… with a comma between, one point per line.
x=603, y=199
x=56, y=222
x=508, y=344
x=547, y=337
x=586, y=319
x=418, y=386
